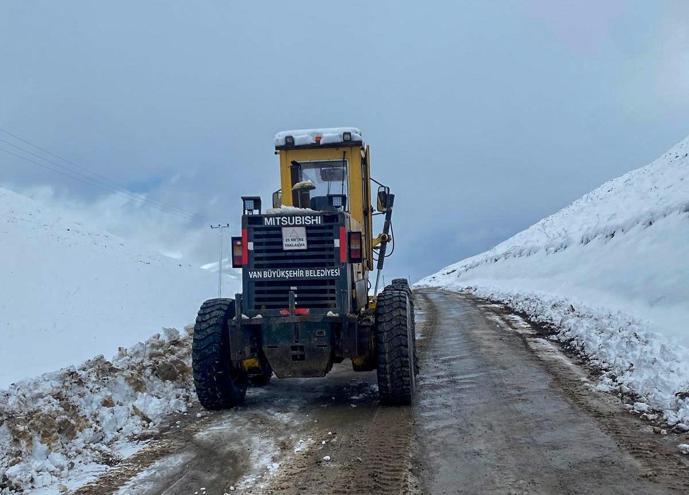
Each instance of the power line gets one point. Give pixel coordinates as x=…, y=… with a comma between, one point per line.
x=43, y=165
x=77, y=172
x=73, y=165
x=70, y=172
x=102, y=181
x=55, y=167
x=87, y=181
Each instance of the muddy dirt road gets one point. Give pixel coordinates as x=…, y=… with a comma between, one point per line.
x=499, y=410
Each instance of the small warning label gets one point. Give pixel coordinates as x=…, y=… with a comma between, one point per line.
x=293, y=238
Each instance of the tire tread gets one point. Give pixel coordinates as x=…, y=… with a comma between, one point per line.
x=218, y=385
x=396, y=381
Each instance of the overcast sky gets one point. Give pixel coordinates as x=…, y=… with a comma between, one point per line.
x=483, y=116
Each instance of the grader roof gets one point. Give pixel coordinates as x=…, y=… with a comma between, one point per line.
x=314, y=138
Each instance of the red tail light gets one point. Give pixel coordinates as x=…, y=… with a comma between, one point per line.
x=237, y=252
x=356, y=252
x=297, y=311
x=343, y=245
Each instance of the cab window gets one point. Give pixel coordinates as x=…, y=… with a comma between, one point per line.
x=327, y=177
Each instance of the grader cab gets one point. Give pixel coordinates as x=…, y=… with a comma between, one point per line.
x=307, y=301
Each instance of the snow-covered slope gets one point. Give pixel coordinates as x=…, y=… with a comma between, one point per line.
x=70, y=290
x=611, y=271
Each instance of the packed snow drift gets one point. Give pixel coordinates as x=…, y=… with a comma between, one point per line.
x=70, y=290
x=63, y=429
x=611, y=273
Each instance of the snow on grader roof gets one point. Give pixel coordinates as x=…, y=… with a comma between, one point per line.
x=310, y=137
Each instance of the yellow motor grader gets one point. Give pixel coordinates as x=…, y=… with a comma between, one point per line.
x=307, y=300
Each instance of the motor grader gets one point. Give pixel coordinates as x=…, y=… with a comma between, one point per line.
x=307, y=300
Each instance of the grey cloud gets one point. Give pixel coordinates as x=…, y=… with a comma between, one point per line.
x=483, y=116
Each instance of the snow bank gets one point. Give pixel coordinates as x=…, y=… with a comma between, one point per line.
x=611, y=272
x=69, y=291
x=61, y=430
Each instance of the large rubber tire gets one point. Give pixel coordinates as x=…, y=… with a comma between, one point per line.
x=219, y=384
x=403, y=284
x=395, y=347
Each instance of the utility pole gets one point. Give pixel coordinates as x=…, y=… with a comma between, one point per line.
x=220, y=228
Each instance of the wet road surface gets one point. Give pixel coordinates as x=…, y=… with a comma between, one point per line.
x=499, y=410
x=499, y=414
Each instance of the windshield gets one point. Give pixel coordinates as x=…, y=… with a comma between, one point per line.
x=328, y=177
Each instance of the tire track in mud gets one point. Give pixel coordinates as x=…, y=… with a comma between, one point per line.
x=214, y=451
x=368, y=455
x=368, y=444
x=371, y=449
x=385, y=459
x=174, y=438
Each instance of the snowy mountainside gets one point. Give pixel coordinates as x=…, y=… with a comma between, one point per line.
x=70, y=290
x=611, y=272
x=639, y=197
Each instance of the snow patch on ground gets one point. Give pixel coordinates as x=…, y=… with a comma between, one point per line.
x=63, y=429
x=302, y=445
x=609, y=273
x=263, y=462
x=148, y=479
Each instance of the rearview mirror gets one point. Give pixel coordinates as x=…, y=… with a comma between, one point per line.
x=277, y=198
x=383, y=199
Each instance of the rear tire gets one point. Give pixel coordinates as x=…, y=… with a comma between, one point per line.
x=395, y=347
x=402, y=284
x=219, y=384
